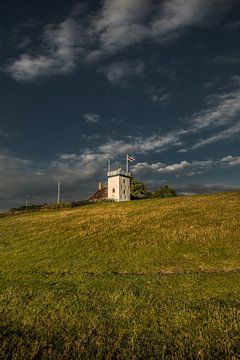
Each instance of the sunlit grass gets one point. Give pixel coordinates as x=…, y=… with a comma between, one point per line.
x=89, y=282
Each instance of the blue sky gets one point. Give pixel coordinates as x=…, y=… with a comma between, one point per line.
x=84, y=82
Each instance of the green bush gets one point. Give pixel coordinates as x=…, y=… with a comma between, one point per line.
x=139, y=190
x=164, y=191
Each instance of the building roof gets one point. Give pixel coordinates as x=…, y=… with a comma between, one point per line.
x=101, y=194
x=119, y=172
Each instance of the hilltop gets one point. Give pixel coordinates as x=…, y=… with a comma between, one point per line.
x=142, y=279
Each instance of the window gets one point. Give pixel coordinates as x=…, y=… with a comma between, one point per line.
x=124, y=181
x=113, y=190
x=124, y=191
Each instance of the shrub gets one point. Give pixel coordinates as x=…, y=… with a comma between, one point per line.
x=164, y=191
x=139, y=190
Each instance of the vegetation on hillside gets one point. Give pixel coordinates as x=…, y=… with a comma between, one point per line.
x=140, y=190
x=164, y=191
x=148, y=279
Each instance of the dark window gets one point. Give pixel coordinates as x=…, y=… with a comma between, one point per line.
x=113, y=190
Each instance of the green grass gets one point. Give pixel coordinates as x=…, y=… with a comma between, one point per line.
x=150, y=279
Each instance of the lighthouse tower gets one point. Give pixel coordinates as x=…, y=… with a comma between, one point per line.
x=119, y=185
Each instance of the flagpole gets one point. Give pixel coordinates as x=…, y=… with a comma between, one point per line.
x=127, y=163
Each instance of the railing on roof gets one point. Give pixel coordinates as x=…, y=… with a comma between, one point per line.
x=118, y=172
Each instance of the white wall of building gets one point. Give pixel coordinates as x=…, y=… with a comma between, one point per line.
x=119, y=188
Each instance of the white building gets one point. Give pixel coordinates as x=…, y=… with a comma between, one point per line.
x=119, y=185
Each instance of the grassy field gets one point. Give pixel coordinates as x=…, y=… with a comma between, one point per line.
x=149, y=279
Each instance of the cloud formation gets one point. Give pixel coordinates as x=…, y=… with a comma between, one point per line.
x=61, y=47
x=91, y=118
x=221, y=116
x=117, y=25
x=184, y=167
x=222, y=110
x=230, y=132
x=21, y=177
x=139, y=145
x=231, y=160
x=123, y=23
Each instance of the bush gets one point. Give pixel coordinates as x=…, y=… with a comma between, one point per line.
x=164, y=191
x=139, y=190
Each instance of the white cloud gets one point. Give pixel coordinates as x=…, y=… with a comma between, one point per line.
x=159, y=95
x=184, y=167
x=140, y=145
x=117, y=25
x=61, y=46
x=91, y=117
x=120, y=71
x=182, y=151
x=161, y=167
x=28, y=67
x=221, y=115
x=20, y=177
x=222, y=135
x=222, y=110
x=175, y=15
x=72, y=168
x=160, y=98
x=12, y=165
x=121, y=23
x=232, y=160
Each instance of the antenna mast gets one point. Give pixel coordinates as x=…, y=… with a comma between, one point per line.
x=58, y=192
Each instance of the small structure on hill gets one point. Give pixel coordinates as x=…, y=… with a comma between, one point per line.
x=117, y=187
x=119, y=182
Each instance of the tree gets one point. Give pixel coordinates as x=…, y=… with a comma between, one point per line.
x=164, y=191
x=139, y=190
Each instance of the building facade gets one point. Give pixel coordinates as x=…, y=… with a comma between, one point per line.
x=119, y=182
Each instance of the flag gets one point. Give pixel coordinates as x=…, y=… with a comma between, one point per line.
x=131, y=158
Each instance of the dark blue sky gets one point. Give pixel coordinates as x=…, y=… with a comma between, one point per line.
x=82, y=82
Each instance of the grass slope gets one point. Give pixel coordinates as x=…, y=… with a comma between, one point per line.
x=145, y=279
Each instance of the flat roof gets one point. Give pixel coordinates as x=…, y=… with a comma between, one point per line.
x=119, y=172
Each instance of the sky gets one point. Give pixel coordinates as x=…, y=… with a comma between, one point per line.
x=83, y=82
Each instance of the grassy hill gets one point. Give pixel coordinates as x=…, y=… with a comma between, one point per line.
x=146, y=279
